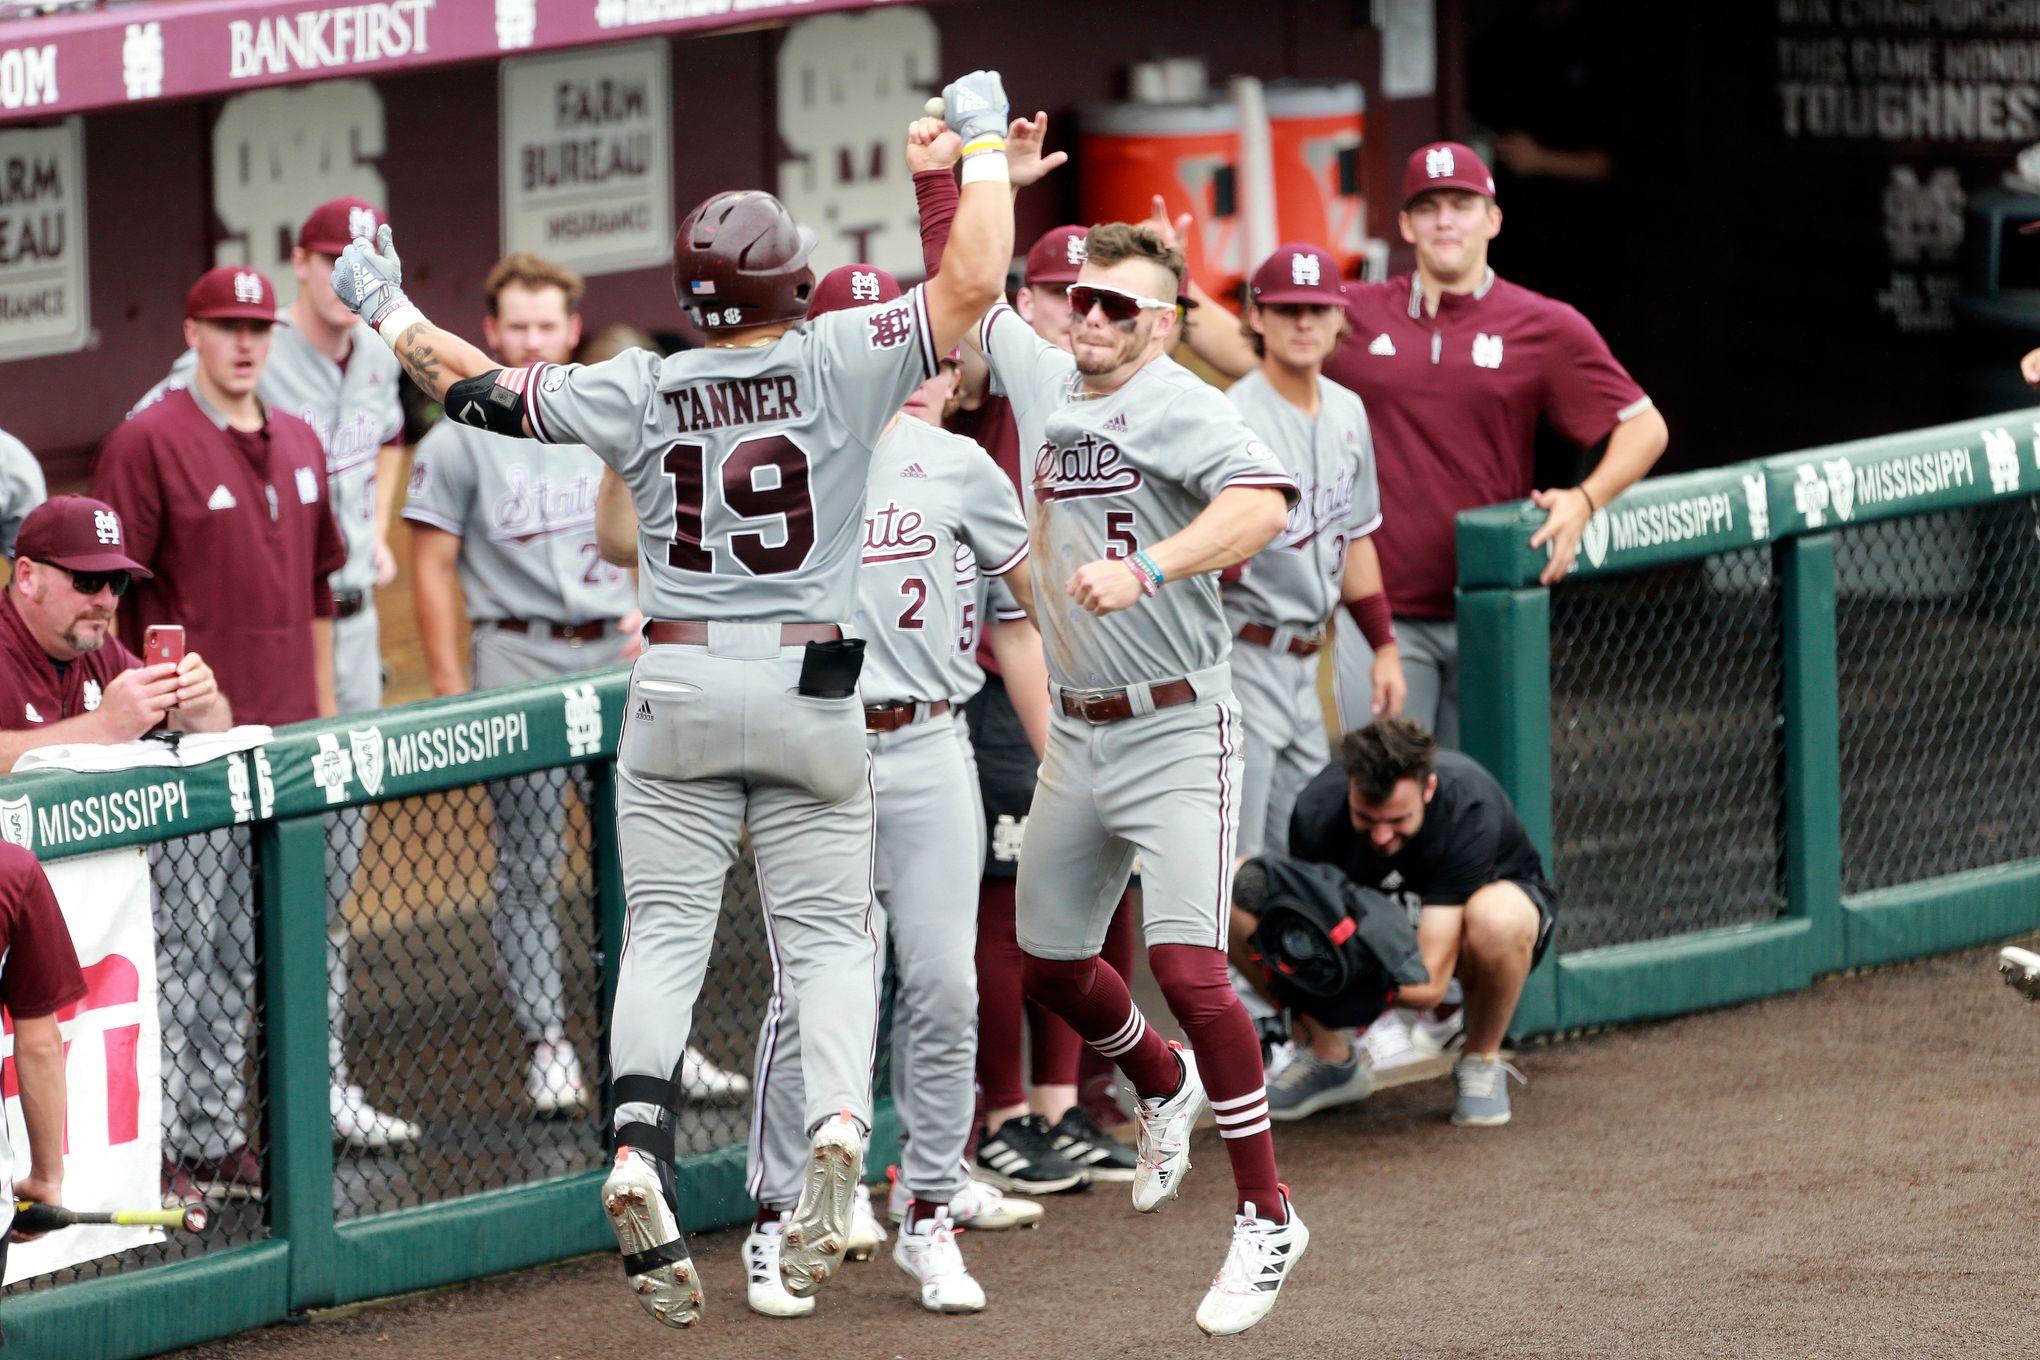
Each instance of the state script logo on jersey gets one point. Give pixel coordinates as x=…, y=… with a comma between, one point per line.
x=895, y=534
x=1304, y=271
x=890, y=328
x=1090, y=467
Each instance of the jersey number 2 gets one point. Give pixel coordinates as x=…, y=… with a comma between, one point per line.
x=784, y=495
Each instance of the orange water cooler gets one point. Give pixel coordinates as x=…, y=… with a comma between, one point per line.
x=1187, y=153
x=1314, y=132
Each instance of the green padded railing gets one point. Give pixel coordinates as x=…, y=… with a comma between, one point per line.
x=1799, y=508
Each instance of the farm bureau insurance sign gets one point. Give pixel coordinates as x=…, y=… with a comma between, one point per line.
x=44, y=308
x=587, y=158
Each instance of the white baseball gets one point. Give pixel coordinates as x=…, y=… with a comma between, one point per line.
x=934, y=108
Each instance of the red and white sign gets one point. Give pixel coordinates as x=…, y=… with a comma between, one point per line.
x=108, y=58
x=113, y=1059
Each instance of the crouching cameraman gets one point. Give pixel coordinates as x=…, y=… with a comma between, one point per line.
x=1432, y=830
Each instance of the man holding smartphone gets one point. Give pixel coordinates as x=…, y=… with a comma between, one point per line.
x=64, y=678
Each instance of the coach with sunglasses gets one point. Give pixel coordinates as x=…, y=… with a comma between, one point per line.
x=64, y=677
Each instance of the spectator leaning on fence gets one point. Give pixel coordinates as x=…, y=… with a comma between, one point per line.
x=64, y=677
x=225, y=499
x=1458, y=367
x=21, y=488
x=504, y=568
x=38, y=977
x=1434, y=830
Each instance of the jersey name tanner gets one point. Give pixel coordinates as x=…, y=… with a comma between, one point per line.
x=737, y=401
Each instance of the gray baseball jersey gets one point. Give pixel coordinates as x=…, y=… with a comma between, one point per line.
x=984, y=599
x=1112, y=475
x=525, y=515
x=1294, y=581
x=355, y=409
x=22, y=489
x=931, y=497
x=747, y=466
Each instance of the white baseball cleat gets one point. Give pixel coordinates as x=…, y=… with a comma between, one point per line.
x=978, y=1206
x=648, y=1234
x=701, y=1079
x=552, y=1079
x=2020, y=969
x=866, y=1233
x=364, y=1128
x=1164, y=1148
x=764, y=1290
x=1256, y=1265
x=931, y=1256
x=819, y=1232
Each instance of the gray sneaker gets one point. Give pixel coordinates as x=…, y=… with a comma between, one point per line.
x=1308, y=1083
x=1483, y=1084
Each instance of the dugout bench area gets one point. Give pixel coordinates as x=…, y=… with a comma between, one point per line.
x=1778, y=723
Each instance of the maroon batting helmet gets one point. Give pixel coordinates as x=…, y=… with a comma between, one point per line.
x=741, y=260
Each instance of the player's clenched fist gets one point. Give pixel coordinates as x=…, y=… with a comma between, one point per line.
x=1105, y=586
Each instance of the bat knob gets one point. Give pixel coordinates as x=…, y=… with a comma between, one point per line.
x=196, y=1218
x=934, y=106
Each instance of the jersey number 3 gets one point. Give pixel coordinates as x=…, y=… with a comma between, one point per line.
x=762, y=479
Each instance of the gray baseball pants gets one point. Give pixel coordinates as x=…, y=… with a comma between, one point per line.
x=1430, y=658
x=1285, y=739
x=715, y=738
x=927, y=894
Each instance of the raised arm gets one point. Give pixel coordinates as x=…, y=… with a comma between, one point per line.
x=1211, y=329
x=369, y=278
x=973, y=274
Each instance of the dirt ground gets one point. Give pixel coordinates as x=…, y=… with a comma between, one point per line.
x=1847, y=1172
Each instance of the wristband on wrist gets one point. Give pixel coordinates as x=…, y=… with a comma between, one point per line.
x=1592, y=508
x=1147, y=564
x=985, y=164
x=1147, y=583
x=1371, y=613
x=398, y=318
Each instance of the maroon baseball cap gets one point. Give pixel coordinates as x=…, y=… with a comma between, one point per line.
x=852, y=285
x=333, y=226
x=1299, y=272
x=78, y=534
x=1445, y=165
x=1057, y=256
x=230, y=291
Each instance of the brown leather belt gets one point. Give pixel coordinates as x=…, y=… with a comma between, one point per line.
x=1261, y=635
x=565, y=632
x=348, y=603
x=1115, y=704
x=688, y=633
x=892, y=717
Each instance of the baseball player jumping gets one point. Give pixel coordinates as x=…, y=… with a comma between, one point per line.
x=1281, y=604
x=746, y=462
x=930, y=491
x=1144, y=484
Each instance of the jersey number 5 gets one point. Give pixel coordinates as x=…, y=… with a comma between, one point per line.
x=761, y=479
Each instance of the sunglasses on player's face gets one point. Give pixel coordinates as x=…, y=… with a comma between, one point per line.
x=92, y=582
x=1121, y=308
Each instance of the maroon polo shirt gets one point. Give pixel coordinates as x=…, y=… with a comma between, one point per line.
x=237, y=528
x=39, y=972
x=36, y=689
x=1454, y=401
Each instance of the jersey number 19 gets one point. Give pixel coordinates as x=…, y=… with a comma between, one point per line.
x=762, y=479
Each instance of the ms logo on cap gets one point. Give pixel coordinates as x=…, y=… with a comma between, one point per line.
x=1074, y=249
x=361, y=222
x=863, y=286
x=1304, y=270
x=106, y=525
x=1438, y=163
x=248, y=288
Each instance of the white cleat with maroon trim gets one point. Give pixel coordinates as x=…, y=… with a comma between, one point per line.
x=1164, y=1149
x=1257, y=1264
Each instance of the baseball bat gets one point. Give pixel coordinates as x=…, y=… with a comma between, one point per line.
x=30, y=1216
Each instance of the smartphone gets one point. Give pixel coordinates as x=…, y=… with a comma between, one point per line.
x=163, y=642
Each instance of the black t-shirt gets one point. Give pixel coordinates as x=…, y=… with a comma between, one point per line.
x=1471, y=837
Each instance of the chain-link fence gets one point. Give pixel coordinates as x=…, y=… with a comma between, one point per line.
x=1938, y=654
x=1666, y=791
